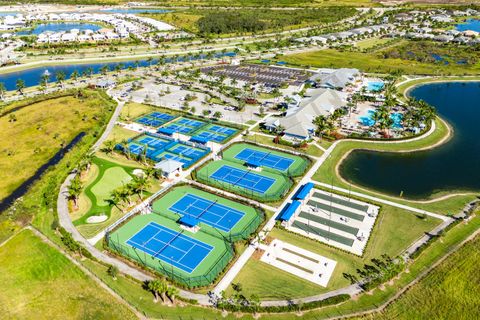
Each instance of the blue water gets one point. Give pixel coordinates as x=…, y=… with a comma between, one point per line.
x=32, y=76
x=368, y=119
x=136, y=11
x=470, y=24
x=375, y=86
x=57, y=27
x=453, y=165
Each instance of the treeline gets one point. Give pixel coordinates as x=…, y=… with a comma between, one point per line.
x=254, y=20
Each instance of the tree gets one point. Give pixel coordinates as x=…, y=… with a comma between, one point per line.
x=44, y=80
x=205, y=112
x=157, y=287
x=172, y=293
x=20, y=85
x=74, y=190
x=60, y=75
x=193, y=110
x=113, y=271
x=75, y=75
x=140, y=185
x=217, y=115
x=104, y=69
x=109, y=146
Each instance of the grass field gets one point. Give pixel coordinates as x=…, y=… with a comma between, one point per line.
x=297, y=168
x=242, y=229
x=275, y=192
x=450, y=291
x=204, y=274
x=394, y=231
x=40, y=130
x=373, y=62
x=371, y=42
x=38, y=282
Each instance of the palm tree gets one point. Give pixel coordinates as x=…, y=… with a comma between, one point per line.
x=217, y=115
x=125, y=148
x=116, y=198
x=109, y=146
x=44, y=80
x=172, y=293
x=157, y=287
x=140, y=185
x=20, y=85
x=104, y=69
x=75, y=75
x=60, y=75
x=74, y=190
x=2, y=90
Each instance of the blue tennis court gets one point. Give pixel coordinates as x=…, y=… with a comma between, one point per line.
x=149, y=122
x=243, y=178
x=190, y=123
x=170, y=246
x=264, y=159
x=153, y=142
x=187, y=151
x=179, y=128
x=163, y=116
x=211, y=136
x=222, y=130
x=210, y=212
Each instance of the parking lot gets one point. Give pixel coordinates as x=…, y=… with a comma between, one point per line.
x=267, y=75
x=173, y=96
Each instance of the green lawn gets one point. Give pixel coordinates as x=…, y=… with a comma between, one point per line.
x=371, y=42
x=38, y=282
x=94, y=199
x=41, y=129
x=450, y=291
x=394, y=231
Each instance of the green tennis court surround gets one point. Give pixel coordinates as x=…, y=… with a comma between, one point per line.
x=220, y=174
x=267, y=158
x=216, y=215
x=173, y=252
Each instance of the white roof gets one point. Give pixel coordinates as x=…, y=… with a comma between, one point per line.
x=168, y=165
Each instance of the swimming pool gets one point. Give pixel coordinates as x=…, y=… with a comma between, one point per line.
x=367, y=120
x=375, y=86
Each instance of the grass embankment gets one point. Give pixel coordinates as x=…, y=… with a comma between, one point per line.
x=449, y=292
x=374, y=63
x=328, y=171
x=394, y=231
x=38, y=282
x=39, y=130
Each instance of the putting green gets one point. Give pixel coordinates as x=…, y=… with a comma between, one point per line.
x=112, y=179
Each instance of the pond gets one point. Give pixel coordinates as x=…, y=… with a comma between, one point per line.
x=469, y=24
x=451, y=166
x=58, y=27
x=32, y=77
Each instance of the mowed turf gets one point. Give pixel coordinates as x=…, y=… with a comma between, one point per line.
x=38, y=282
x=296, y=168
x=203, y=273
x=40, y=130
x=275, y=192
x=394, y=231
x=250, y=220
x=111, y=179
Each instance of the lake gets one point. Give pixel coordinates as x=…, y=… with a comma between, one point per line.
x=58, y=27
x=32, y=77
x=470, y=24
x=451, y=166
